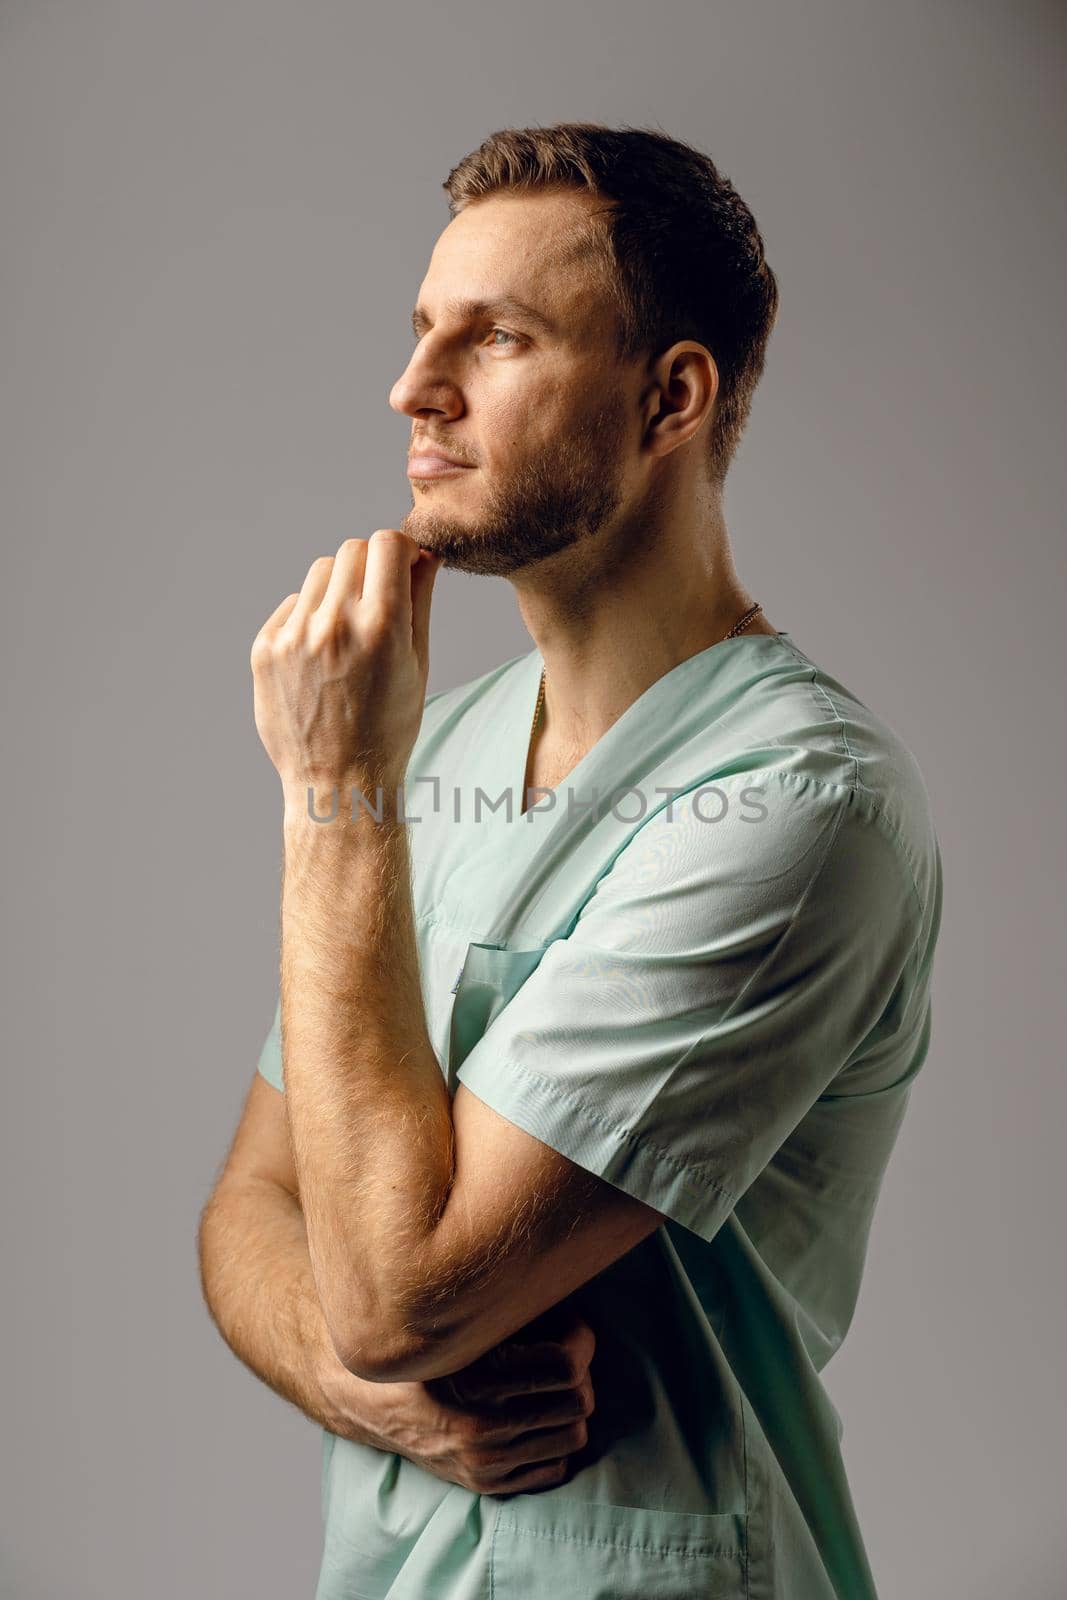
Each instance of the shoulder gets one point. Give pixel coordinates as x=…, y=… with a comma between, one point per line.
x=811, y=736
x=808, y=799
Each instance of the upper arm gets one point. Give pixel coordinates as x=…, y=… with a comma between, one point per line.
x=524, y=1226
x=261, y=1149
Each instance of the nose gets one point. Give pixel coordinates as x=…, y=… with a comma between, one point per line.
x=420, y=390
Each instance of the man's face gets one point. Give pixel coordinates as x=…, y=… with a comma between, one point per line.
x=544, y=416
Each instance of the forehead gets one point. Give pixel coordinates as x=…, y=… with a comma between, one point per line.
x=538, y=248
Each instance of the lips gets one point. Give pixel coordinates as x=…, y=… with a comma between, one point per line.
x=437, y=455
x=426, y=449
x=432, y=464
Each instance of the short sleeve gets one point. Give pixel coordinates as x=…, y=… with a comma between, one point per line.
x=717, y=980
x=270, y=1057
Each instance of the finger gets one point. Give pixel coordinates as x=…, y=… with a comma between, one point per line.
x=387, y=579
x=346, y=578
x=549, y=1475
x=422, y=580
x=526, y=1413
x=517, y=1370
x=580, y=1341
x=279, y=614
x=540, y=1475
x=311, y=591
x=543, y=1444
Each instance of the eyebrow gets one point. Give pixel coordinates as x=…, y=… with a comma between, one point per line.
x=502, y=306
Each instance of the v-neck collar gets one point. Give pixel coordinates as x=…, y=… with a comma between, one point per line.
x=668, y=682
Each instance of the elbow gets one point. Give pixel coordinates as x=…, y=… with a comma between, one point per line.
x=374, y=1360
x=368, y=1338
x=407, y=1337
x=391, y=1355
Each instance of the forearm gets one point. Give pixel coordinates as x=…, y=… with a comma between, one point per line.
x=368, y=1106
x=256, y=1277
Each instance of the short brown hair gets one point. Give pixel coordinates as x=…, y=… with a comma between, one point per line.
x=683, y=256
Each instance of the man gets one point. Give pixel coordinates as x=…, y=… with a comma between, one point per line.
x=605, y=976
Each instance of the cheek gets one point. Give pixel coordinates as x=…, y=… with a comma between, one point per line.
x=513, y=433
x=524, y=422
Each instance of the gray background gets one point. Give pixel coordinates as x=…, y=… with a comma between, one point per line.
x=215, y=219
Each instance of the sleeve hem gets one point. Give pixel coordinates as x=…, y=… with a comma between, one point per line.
x=625, y=1159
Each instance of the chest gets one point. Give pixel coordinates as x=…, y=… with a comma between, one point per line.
x=546, y=769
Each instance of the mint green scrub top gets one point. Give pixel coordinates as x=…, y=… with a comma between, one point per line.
x=713, y=989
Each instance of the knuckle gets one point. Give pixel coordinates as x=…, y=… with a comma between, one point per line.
x=325, y=632
x=474, y=1428
x=581, y=1340
x=573, y=1368
x=378, y=626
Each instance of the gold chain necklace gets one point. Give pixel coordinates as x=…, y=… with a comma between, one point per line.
x=741, y=623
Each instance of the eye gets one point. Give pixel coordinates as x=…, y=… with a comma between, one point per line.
x=511, y=338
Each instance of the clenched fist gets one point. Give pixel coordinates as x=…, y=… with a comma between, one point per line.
x=513, y=1421
x=339, y=670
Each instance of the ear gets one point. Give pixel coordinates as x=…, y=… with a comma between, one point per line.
x=681, y=395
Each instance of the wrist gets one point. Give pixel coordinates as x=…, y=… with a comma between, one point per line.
x=320, y=807
x=349, y=1405
x=335, y=1386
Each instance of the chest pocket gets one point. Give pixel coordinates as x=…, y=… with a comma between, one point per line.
x=489, y=978
x=576, y=1550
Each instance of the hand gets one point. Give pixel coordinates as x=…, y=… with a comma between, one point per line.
x=339, y=670
x=508, y=1421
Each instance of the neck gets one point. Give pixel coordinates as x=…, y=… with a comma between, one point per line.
x=609, y=622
